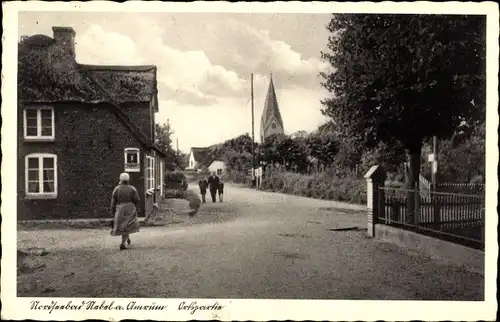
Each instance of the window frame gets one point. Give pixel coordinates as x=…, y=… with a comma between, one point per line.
x=219, y=172
x=39, y=136
x=40, y=195
x=137, y=152
x=150, y=173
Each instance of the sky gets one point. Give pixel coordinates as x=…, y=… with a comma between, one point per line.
x=204, y=64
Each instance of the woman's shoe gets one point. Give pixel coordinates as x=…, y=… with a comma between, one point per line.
x=122, y=247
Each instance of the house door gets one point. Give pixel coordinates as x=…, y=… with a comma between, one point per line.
x=162, y=177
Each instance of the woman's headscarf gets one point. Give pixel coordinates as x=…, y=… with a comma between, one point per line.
x=124, y=177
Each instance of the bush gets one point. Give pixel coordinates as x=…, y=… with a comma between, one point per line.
x=176, y=180
x=321, y=185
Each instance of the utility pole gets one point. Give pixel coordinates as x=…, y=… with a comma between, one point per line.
x=253, y=131
x=254, y=178
x=177, y=146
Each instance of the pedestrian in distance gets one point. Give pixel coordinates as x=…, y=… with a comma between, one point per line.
x=221, y=190
x=124, y=209
x=213, y=185
x=203, y=184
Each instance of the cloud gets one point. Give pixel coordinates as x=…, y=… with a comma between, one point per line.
x=107, y=48
x=204, y=72
x=187, y=76
x=247, y=50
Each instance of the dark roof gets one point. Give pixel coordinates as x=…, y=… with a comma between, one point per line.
x=200, y=153
x=57, y=78
x=127, y=83
x=46, y=74
x=271, y=108
x=208, y=159
x=38, y=40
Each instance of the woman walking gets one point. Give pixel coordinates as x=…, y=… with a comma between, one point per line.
x=124, y=208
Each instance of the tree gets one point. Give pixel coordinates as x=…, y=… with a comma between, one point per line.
x=284, y=150
x=462, y=157
x=242, y=143
x=405, y=78
x=322, y=147
x=163, y=139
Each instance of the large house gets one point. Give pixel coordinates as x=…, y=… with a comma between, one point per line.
x=271, y=121
x=80, y=126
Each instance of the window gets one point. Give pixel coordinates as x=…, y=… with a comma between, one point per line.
x=41, y=176
x=273, y=125
x=150, y=172
x=219, y=172
x=132, y=160
x=39, y=123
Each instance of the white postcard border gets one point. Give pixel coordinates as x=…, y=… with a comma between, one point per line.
x=14, y=307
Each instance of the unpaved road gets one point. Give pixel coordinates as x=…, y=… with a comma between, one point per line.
x=260, y=245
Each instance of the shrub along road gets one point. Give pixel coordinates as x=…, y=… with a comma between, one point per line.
x=257, y=245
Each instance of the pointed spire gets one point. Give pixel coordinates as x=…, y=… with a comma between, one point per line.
x=271, y=110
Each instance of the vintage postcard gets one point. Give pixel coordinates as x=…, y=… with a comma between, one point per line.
x=249, y=161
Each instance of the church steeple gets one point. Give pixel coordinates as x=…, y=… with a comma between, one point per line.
x=271, y=121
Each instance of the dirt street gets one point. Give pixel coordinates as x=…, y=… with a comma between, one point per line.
x=254, y=245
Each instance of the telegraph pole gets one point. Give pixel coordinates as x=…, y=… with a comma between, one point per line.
x=253, y=132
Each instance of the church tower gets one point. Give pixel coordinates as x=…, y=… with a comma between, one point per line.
x=271, y=121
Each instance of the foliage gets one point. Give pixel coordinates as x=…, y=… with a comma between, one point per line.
x=283, y=149
x=240, y=144
x=322, y=147
x=323, y=185
x=404, y=78
x=163, y=139
x=461, y=158
x=389, y=157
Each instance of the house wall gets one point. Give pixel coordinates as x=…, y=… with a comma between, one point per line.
x=89, y=144
x=214, y=166
x=192, y=161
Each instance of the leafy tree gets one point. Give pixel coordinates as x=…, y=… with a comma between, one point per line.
x=284, y=150
x=405, y=78
x=163, y=139
x=242, y=143
x=322, y=147
x=461, y=158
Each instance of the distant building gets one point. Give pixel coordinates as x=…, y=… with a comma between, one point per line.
x=271, y=121
x=217, y=167
x=79, y=127
x=212, y=164
x=206, y=160
x=196, y=155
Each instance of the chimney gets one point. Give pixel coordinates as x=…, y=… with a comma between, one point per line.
x=65, y=40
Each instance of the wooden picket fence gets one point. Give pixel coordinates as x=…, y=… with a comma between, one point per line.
x=455, y=217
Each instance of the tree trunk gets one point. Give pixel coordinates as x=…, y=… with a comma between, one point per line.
x=414, y=155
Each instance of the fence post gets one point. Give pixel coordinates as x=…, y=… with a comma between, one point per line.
x=436, y=207
x=416, y=212
x=375, y=179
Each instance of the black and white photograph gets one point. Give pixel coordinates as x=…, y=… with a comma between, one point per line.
x=203, y=161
